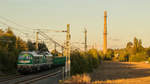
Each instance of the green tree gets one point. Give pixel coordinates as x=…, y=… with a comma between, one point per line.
x=42, y=47
x=109, y=55
x=79, y=63
x=10, y=46
x=129, y=45
x=124, y=56
x=54, y=52
x=21, y=45
x=31, y=46
x=138, y=57
x=82, y=62
x=95, y=57
x=137, y=47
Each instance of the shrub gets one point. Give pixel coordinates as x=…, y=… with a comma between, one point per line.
x=138, y=57
x=82, y=62
x=109, y=55
x=79, y=63
x=124, y=57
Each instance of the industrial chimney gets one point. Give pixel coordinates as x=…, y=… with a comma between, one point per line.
x=105, y=33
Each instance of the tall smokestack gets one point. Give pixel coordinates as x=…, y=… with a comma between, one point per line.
x=105, y=33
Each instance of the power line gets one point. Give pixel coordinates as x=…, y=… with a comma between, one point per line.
x=49, y=30
x=46, y=36
x=14, y=23
x=26, y=34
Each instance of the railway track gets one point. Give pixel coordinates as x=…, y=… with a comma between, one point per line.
x=11, y=78
x=27, y=79
x=37, y=78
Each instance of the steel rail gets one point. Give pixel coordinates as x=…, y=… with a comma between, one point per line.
x=12, y=78
x=37, y=78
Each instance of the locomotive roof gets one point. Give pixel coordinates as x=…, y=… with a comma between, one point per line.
x=34, y=53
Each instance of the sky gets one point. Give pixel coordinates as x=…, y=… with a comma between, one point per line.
x=126, y=19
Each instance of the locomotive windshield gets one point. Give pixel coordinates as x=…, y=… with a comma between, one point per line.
x=24, y=56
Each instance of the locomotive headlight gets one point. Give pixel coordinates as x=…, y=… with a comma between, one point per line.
x=25, y=61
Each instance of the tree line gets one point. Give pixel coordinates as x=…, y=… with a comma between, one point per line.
x=84, y=62
x=81, y=62
x=10, y=47
x=133, y=52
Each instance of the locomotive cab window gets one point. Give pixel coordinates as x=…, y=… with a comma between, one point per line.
x=25, y=56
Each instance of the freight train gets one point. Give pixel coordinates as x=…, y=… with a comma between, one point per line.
x=34, y=61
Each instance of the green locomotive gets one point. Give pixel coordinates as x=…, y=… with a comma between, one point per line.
x=34, y=61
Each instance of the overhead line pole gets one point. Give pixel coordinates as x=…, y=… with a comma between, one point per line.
x=67, y=48
x=68, y=62
x=37, y=40
x=85, y=46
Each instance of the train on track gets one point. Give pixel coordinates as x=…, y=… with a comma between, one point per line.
x=34, y=61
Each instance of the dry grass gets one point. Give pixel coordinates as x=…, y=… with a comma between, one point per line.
x=115, y=73
x=79, y=79
x=122, y=73
x=144, y=80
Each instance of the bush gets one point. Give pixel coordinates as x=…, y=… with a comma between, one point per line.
x=93, y=54
x=109, y=55
x=138, y=57
x=79, y=63
x=124, y=57
x=82, y=62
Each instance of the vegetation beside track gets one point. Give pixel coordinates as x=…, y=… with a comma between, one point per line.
x=84, y=62
x=115, y=73
x=10, y=47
